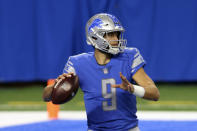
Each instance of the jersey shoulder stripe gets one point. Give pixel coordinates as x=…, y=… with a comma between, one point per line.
x=137, y=61
x=74, y=60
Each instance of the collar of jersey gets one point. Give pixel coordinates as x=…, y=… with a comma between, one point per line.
x=102, y=66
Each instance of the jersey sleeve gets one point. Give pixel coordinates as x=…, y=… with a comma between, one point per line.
x=69, y=67
x=137, y=62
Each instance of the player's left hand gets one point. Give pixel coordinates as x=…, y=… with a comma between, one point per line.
x=125, y=85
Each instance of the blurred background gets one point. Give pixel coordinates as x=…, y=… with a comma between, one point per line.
x=38, y=36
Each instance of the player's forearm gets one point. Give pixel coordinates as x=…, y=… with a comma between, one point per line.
x=151, y=93
x=47, y=93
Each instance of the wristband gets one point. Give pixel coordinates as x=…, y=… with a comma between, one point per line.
x=138, y=91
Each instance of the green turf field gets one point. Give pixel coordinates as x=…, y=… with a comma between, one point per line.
x=172, y=97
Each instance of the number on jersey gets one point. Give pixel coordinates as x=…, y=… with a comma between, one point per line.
x=108, y=106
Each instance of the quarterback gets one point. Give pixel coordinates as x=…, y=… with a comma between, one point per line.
x=111, y=77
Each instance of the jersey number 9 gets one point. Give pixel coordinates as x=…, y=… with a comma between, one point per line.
x=110, y=96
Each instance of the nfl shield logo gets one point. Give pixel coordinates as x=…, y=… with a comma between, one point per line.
x=105, y=70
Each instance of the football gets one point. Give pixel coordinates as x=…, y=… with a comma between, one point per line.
x=65, y=90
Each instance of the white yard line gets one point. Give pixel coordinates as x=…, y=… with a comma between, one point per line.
x=167, y=115
x=18, y=118
x=10, y=118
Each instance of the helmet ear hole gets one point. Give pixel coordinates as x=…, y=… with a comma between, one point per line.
x=94, y=38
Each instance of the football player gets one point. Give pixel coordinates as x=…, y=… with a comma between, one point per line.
x=107, y=77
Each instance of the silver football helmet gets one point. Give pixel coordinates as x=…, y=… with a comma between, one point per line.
x=101, y=24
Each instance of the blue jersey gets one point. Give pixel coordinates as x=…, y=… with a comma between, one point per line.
x=108, y=109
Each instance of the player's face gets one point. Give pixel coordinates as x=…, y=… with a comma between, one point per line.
x=112, y=37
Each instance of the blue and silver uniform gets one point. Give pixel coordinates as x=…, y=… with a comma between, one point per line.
x=108, y=109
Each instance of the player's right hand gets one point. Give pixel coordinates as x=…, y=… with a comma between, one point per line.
x=48, y=89
x=63, y=76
